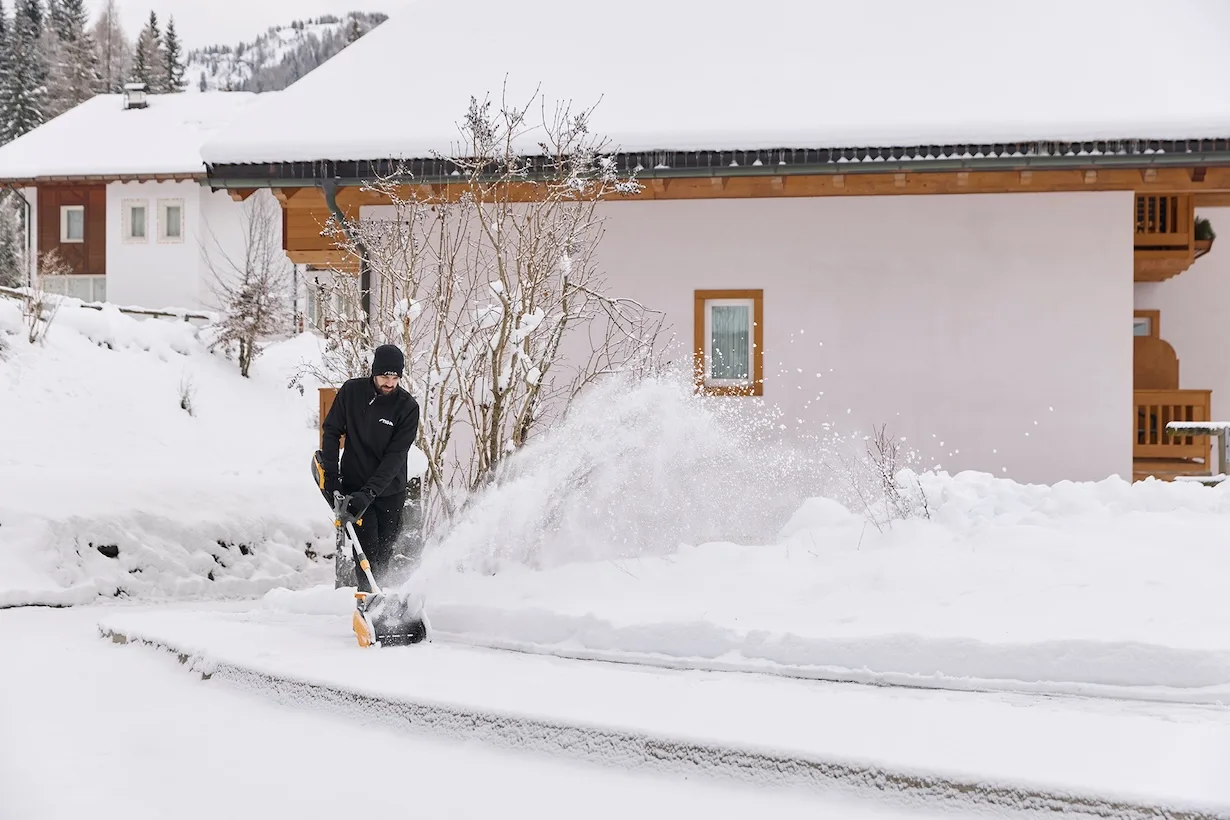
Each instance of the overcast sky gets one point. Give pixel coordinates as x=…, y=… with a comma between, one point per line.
x=206, y=22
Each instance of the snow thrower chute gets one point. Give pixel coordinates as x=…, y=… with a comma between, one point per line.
x=380, y=618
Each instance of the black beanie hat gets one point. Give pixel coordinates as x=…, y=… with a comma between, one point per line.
x=388, y=359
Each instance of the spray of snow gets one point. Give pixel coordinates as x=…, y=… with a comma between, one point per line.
x=639, y=469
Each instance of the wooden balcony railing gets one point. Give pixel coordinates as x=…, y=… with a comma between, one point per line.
x=1164, y=221
x=1165, y=236
x=1154, y=409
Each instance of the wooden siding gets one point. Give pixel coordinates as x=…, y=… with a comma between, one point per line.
x=90, y=256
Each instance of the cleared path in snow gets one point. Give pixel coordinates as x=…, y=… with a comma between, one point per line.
x=1106, y=758
x=90, y=729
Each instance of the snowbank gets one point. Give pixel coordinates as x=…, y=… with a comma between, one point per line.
x=113, y=488
x=1107, y=588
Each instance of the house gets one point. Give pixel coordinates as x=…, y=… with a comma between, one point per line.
x=973, y=227
x=114, y=187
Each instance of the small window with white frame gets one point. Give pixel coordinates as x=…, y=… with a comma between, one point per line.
x=72, y=223
x=136, y=220
x=170, y=220
x=729, y=336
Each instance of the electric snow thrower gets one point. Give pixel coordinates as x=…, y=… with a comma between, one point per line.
x=380, y=618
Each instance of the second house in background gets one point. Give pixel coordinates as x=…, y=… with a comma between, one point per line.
x=124, y=209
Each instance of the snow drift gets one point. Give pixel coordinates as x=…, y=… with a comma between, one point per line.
x=603, y=541
x=138, y=463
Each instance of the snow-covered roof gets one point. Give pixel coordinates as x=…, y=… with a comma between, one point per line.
x=684, y=75
x=99, y=138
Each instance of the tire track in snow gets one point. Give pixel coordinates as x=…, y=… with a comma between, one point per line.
x=667, y=755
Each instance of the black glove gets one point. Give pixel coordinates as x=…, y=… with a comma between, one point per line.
x=358, y=503
x=332, y=484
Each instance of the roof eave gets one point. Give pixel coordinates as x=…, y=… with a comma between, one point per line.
x=60, y=179
x=297, y=174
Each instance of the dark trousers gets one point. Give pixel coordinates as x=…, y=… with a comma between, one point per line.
x=378, y=535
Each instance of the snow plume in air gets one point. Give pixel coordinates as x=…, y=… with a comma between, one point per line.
x=639, y=468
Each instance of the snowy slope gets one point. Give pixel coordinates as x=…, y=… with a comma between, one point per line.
x=277, y=57
x=112, y=488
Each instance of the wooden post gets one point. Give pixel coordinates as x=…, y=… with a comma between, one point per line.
x=326, y=396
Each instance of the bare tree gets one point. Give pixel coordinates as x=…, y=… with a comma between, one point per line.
x=38, y=306
x=253, y=290
x=496, y=294
x=114, y=49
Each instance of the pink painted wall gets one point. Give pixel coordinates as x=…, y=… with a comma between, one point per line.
x=992, y=332
x=1194, y=305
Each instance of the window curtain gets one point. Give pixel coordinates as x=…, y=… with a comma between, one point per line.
x=731, y=348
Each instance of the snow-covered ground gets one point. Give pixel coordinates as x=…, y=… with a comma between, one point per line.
x=111, y=487
x=761, y=728
x=148, y=740
x=1108, y=588
x=652, y=527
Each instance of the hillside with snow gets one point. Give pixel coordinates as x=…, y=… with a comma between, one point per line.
x=279, y=56
x=147, y=467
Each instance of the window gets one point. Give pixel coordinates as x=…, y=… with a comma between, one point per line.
x=1145, y=323
x=72, y=223
x=729, y=349
x=136, y=220
x=77, y=286
x=170, y=220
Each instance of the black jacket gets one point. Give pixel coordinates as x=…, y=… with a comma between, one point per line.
x=379, y=431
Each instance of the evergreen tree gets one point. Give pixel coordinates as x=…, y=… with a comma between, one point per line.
x=173, y=56
x=81, y=78
x=24, y=95
x=114, y=50
x=355, y=32
x=5, y=78
x=12, y=269
x=57, y=18
x=32, y=11
x=147, y=64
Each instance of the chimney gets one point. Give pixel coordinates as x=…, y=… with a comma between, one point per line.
x=134, y=95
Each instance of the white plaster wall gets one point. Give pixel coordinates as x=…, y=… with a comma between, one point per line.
x=224, y=237
x=991, y=332
x=177, y=274
x=1194, y=306
x=954, y=319
x=150, y=273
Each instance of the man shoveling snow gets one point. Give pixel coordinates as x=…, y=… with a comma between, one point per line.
x=380, y=422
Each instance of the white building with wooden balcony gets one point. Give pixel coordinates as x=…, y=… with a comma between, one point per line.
x=944, y=223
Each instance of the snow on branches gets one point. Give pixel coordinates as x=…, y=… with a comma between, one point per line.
x=253, y=290
x=491, y=286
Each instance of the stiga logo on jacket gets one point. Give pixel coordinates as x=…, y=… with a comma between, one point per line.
x=386, y=421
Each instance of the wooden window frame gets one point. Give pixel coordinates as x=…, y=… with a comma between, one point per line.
x=65, y=239
x=701, y=343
